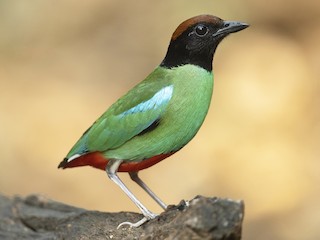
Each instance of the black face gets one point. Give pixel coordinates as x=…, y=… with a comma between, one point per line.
x=197, y=44
x=200, y=38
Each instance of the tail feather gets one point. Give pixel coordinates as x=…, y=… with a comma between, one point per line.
x=94, y=159
x=63, y=163
x=66, y=161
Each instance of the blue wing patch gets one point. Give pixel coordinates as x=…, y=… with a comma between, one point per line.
x=163, y=96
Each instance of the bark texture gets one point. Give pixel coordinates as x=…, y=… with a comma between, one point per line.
x=36, y=217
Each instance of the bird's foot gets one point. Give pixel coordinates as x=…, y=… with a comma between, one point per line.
x=135, y=225
x=139, y=223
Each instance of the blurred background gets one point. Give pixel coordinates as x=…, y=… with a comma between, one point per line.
x=62, y=63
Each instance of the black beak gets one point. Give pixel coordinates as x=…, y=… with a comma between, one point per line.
x=230, y=27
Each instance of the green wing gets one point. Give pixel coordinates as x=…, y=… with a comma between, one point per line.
x=130, y=115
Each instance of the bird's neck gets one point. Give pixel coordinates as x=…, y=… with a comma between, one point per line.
x=179, y=56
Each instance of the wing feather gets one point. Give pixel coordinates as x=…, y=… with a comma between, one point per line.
x=130, y=115
x=113, y=130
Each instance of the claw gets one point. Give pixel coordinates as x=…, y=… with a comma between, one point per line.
x=137, y=224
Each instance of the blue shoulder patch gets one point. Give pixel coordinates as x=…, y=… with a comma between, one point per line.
x=163, y=96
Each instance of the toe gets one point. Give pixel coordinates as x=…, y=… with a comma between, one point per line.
x=135, y=225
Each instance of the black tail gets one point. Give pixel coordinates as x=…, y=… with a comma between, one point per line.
x=63, y=163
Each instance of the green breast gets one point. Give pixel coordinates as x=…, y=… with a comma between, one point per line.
x=180, y=121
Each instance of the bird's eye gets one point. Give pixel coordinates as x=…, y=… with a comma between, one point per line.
x=201, y=30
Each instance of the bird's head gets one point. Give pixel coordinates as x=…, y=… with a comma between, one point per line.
x=196, y=39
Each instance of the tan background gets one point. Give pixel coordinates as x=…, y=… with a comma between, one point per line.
x=62, y=63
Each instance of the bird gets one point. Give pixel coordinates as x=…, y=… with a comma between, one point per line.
x=161, y=114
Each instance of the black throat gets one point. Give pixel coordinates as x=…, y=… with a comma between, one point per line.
x=178, y=54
